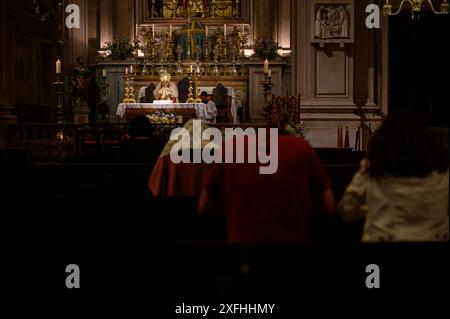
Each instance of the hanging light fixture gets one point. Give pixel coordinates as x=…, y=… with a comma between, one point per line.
x=416, y=7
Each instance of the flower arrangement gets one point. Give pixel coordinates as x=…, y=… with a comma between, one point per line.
x=299, y=129
x=266, y=48
x=120, y=49
x=160, y=117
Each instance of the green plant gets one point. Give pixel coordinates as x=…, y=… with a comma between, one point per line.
x=120, y=49
x=299, y=129
x=266, y=48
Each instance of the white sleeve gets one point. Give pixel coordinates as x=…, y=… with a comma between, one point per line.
x=353, y=205
x=142, y=92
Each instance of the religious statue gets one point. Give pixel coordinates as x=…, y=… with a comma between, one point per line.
x=166, y=90
x=236, y=40
x=218, y=45
x=79, y=83
x=332, y=22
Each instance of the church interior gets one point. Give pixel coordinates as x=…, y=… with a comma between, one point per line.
x=91, y=92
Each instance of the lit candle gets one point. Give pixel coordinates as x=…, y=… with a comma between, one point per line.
x=126, y=70
x=131, y=69
x=170, y=30
x=104, y=73
x=58, y=66
x=266, y=67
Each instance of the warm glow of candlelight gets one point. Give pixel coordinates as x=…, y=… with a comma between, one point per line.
x=266, y=67
x=58, y=66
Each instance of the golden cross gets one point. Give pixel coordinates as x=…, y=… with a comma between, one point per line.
x=190, y=31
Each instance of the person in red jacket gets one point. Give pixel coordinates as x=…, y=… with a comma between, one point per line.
x=269, y=208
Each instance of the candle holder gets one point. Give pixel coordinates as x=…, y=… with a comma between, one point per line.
x=216, y=69
x=152, y=44
x=224, y=53
x=59, y=84
x=169, y=47
x=206, y=57
x=267, y=93
x=242, y=57
x=129, y=90
x=126, y=96
x=236, y=11
x=150, y=51
x=191, y=90
x=103, y=109
x=197, y=88
x=234, y=71
x=225, y=69
x=153, y=12
x=213, y=9
x=179, y=54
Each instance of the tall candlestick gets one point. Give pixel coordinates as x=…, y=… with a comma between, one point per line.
x=266, y=67
x=58, y=66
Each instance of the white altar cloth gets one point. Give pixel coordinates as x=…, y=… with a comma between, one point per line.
x=200, y=108
x=235, y=102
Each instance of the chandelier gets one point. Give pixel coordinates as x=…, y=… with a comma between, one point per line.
x=416, y=7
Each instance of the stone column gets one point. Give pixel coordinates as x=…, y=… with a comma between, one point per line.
x=6, y=117
x=123, y=19
x=265, y=18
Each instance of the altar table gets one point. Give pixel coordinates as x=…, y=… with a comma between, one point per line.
x=187, y=110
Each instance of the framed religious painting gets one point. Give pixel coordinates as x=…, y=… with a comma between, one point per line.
x=332, y=21
x=212, y=12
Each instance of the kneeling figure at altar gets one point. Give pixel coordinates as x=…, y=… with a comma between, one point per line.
x=166, y=90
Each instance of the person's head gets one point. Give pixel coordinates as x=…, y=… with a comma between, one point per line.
x=140, y=126
x=403, y=147
x=204, y=97
x=165, y=79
